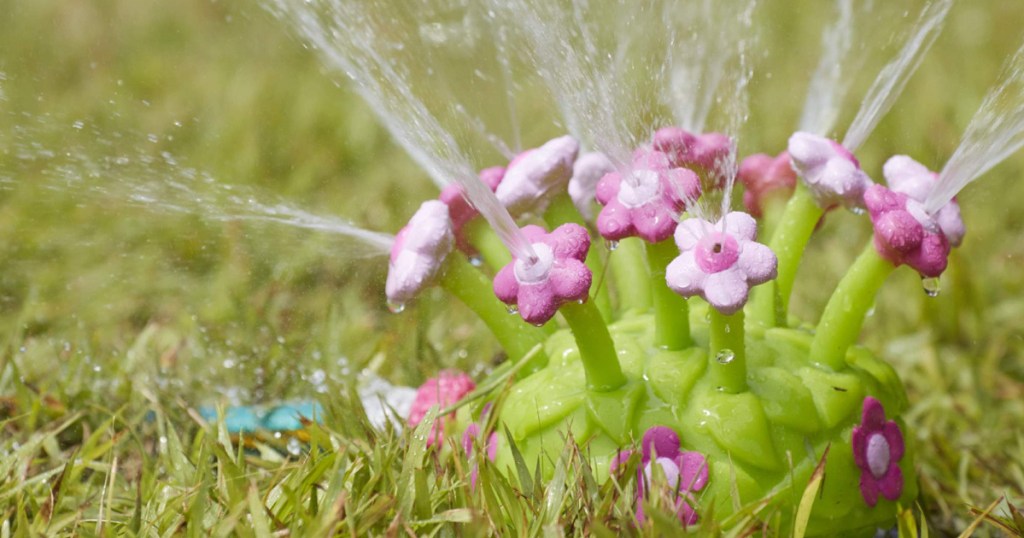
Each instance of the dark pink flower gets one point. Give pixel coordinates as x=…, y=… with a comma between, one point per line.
x=704, y=152
x=877, y=447
x=763, y=175
x=645, y=201
x=900, y=236
x=557, y=276
x=685, y=472
x=473, y=435
x=444, y=390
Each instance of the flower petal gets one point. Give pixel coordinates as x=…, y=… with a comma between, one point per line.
x=740, y=225
x=613, y=222
x=663, y=440
x=894, y=437
x=689, y=232
x=570, y=280
x=891, y=485
x=726, y=291
x=683, y=276
x=693, y=470
x=873, y=415
x=869, y=488
x=757, y=262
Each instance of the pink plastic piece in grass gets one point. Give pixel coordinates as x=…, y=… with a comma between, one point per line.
x=442, y=391
x=829, y=170
x=646, y=200
x=536, y=175
x=764, y=176
x=720, y=261
x=557, y=276
x=685, y=472
x=419, y=252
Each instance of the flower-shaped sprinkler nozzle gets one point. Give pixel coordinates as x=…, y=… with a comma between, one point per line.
x=534, y=177
x=702, y=153
x=418, y=255
x=766, y=180
x=463, y=214
x=720, y=262
x=557, y=280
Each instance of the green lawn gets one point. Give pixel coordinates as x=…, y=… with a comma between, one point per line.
x=119, y=317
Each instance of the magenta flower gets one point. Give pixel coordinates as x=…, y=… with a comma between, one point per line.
x=877, y=447
x=720, y=261
x=645, y=201
x=557, y=276
x=685, y=472
x=900, y=236
x=419, y=252
x=536, y=175
x=586, y=173
x=829, y=170
x=459, y=208
x=687, y=150
x=444, y=390
x=764, y=176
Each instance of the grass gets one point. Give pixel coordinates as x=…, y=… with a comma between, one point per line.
x=118, y=319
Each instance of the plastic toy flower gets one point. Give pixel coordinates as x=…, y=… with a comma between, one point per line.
x=586, y=173
x=877, y=447
x=419, y=252
x=764, y=176
x=685, y=472
x=460, y=210
x=558, y=275
x=685, y=149
x=830, y=171
x=534, y=176
x=645, y=201
x=720, y=261
x=444, y=390
x=907, y=176
x=904, y=234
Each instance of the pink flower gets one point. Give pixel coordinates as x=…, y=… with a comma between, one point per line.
x=442, y=391
x=907, y=176
x=474, y=434
x=586, y=173
x=703, y=152
x=829, y=170
x=720, y=261
x=685, y=472
x=877, y=447
x=536, y=175
x=419, y=252
x=647, y=200
x=459, y=208
x=900, y=236
x=557, y=276
x=764, y=176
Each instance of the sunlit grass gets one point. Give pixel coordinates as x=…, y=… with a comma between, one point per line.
x=117, y=322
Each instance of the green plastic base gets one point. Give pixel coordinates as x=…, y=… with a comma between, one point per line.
x=760, y=444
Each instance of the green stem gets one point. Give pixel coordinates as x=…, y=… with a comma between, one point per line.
x=671, y=311
x=770, y=304
x=728, y=358
x=475, y=290
x=597, y=350
x=561, y=211
x=487, y=243
x=631, y=276
x=844, y=314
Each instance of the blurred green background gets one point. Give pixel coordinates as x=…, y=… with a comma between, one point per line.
x=107, y=304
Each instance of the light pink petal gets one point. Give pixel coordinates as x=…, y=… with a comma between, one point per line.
x=807, y=151
x=758, y=262
x=683, y=275
x=532, y=179
x=682, y=186
x=689, y=232
x=951, y=223
x=726, y=291
x=909, y=177
x=586, y=174
x=740, y=225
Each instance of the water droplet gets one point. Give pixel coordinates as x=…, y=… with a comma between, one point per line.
x=581, y=301
x=612, y=245
x=229, y=363
x=857, y=210
x=728, y=329
x=512, y=309
x=931, y=286
x=396, y=307
x=725, y=356
x=476, y=261
x=78, y=125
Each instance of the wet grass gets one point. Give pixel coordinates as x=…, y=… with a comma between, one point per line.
x=117, y=321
